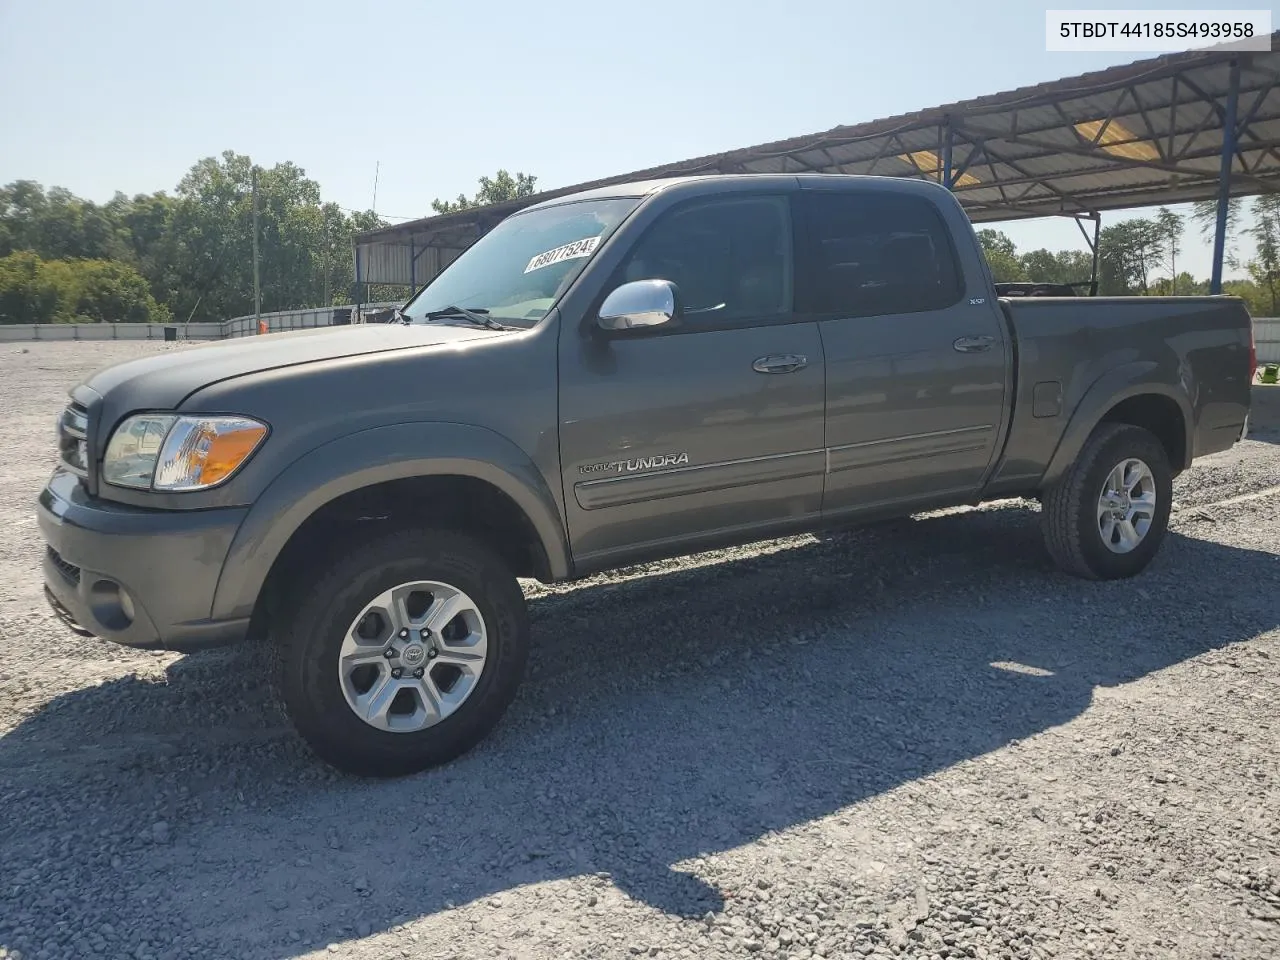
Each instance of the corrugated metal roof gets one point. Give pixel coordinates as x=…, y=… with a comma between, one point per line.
x=1145, y=133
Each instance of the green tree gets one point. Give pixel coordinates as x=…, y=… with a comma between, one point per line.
x=1170, y=227
x=109, y=291
x=1062, y=266
x=1264, y=267
x=27, y=294
x=1117, y=269
x=33, y=290
x=305, y=245
x=22, y=212
x=501, y=186
x=1128, y=253
x=56, y=224
x=1148, y=248
x=1205, y=215
x=1185, y=286
x=1256, y=300
x=1002, y=256
x=195, y=247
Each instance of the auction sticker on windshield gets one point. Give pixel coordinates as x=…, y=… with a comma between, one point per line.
x=570, y=251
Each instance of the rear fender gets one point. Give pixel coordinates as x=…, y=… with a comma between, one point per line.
x=375, y=456
x=1131, y=380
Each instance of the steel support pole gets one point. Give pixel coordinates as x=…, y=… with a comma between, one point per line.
x=257, y=287
x=946, y=155
x=1224, y=178
x=413, y=262
x=1097, y=247
x=1093, y=243
x=359, y=299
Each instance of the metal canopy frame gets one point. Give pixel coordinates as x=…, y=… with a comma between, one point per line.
x=1183, y=127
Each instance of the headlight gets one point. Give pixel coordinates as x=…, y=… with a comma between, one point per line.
x=168, y=452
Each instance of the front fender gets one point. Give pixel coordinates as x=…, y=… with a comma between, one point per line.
x=1139, y=378
x=375, y=456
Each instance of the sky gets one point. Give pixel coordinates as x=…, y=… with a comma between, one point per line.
x=429, y=96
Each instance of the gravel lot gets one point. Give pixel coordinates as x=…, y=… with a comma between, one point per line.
x=917, y=740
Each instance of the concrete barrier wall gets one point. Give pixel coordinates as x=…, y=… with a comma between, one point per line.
x=278, y=322
x=285, y=320
x=18, y=332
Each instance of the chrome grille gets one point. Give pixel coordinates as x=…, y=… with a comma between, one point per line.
x=73, y=445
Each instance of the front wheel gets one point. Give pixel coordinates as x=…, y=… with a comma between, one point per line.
x=404, y=653
x=1106, y=517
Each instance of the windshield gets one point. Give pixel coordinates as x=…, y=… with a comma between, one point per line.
x=517, y=271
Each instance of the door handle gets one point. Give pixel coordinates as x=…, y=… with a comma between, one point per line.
x=780, y=363
x=973, y=344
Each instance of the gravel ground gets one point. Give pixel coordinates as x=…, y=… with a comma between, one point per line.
x=917, y=740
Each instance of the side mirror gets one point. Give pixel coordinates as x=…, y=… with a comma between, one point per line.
x=640, y=303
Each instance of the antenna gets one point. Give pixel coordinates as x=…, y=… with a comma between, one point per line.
x=377, y=168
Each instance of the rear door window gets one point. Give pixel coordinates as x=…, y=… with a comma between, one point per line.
x=871, y=254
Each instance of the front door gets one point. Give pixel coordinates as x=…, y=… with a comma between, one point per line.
x=916, y=365
x=712, y=429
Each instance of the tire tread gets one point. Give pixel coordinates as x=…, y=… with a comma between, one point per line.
x=295, y=642
x=1064, y=502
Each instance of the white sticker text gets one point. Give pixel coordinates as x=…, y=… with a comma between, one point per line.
x=570, y=251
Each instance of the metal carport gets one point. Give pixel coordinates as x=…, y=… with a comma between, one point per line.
x=1173, y=129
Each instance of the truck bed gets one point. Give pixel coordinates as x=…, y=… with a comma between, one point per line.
x=1070, y=350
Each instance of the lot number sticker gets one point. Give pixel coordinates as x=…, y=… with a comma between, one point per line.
x=570, y=251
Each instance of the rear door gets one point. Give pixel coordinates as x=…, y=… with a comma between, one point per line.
x=675, y=438
x=916, y=364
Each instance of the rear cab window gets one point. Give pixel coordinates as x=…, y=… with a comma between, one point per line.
x=873, y=254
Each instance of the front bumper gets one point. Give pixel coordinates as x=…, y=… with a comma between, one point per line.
x=144, y=578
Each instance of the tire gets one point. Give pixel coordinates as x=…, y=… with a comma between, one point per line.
x=1070, y=517
x=322, y=617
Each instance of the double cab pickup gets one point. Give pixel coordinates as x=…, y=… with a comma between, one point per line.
x=641, y=371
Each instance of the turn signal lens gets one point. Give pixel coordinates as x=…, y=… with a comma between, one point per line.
x=201, y=452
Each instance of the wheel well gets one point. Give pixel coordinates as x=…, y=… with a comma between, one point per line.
x=453, y=502
x=1161, y=416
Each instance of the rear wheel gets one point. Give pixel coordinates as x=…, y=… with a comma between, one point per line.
x=403, y=654
x=1106, y=517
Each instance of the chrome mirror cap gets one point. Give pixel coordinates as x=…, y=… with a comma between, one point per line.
x=640, y=303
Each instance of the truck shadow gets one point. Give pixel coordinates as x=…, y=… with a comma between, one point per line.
x=665, y=717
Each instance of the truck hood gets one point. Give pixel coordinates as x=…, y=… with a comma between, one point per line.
x=163, y=381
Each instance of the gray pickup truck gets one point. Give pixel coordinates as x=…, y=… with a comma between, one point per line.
x=636, y=372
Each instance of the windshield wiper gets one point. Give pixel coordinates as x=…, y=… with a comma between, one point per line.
x=477, y=316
